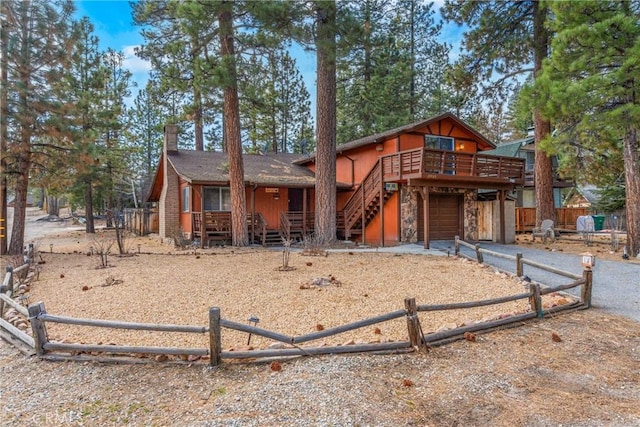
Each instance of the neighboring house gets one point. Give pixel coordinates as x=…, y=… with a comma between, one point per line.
x=525, y=149
x=418, y=182
x=30, y=202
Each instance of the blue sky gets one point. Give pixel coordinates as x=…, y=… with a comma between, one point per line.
x=114, y=27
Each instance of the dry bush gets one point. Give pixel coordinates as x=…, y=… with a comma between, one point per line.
x=102, y=246
x=311, y=245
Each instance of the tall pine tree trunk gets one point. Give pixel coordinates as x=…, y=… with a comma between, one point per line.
x=632, y=184
x=325, y=219
x=543, y=173
x=88, y=206
x=240, y=236
x=197, y=119
x=20, y=200
x=4, y=79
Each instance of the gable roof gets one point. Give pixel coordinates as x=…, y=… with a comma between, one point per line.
x=211, y=168
x=391, y=133
x=512, y=149
x=268, y=169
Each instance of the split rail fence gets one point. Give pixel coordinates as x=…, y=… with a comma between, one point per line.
x=48, y=349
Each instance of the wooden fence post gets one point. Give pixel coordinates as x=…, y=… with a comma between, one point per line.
x=413, y=323
x=457, y=245
x=519, y=272
x=10, y=283
x=215, y=337
x=38, y=327
x=479, y=254
x=535, y=299
x=587, y=275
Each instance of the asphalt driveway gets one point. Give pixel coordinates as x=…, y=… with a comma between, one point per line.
x=616, y=285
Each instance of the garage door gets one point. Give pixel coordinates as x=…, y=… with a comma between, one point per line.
x=444, y=216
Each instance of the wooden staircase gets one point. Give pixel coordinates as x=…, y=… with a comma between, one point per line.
x=365, y=203
x=272, y=238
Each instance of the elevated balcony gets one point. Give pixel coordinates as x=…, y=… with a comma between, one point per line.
x=441, y=168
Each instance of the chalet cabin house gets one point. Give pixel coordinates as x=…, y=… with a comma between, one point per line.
x=415, y=183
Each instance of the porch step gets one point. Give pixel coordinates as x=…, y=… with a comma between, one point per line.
x=273, y=238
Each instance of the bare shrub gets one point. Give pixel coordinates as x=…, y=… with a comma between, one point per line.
x=311, y=245
x=102, y=246
x=286, y=254
x=181, y=241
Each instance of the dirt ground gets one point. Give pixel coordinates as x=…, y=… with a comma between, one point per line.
x=599, y=244
x=577, y=368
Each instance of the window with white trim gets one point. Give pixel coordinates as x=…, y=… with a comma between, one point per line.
x=217, y=199
x=185, y=199
x=437, y=142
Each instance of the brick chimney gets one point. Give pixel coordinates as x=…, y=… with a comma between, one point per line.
x=169, y=203
x=170, y=138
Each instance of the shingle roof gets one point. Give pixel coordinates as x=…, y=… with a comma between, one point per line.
x=510, y=149
x=378, y=137
x=268, y=169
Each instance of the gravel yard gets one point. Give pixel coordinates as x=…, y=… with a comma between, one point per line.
x=180, y=289
x=576, y=368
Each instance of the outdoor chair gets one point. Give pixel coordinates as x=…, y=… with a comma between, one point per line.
x=545, y=231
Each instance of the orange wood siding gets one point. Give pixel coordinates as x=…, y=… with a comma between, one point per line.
x=391, y=222
x=268, y=206
x=185, y=217
x=411, y=141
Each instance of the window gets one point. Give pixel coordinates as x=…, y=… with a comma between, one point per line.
x=185, y=199
x=217, y=199
x=438, y=142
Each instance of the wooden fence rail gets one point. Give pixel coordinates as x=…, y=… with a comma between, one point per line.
x=47, y=349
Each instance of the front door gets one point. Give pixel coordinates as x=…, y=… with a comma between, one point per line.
x=295, y=199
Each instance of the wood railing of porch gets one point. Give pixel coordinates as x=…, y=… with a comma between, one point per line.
x=365, y=202
x=453, y=165
x=217, y=226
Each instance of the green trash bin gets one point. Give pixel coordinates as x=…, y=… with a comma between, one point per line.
x=598, y=222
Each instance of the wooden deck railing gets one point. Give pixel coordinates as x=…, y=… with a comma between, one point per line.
x=295, y=223
x=419, y=162
x=366, y=193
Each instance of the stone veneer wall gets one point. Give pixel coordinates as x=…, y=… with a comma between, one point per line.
x=471, y=215
x=409, y=212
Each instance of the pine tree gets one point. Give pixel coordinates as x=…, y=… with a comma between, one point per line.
x=145, y=136
x=390, y=66
x=36, y=39
x=275, y=103
x=507, y=39
x=82, y=89
x=590, y=85
x=325, y=216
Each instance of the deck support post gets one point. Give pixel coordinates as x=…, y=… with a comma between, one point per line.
x=425, y=207
x=503, y=195
x=381, y=205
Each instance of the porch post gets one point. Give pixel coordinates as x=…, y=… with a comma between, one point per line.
x=503, y=195
x=203, y=229
x=304, y=212
x=425, y=207
x=253, y=212
x=363, y=214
